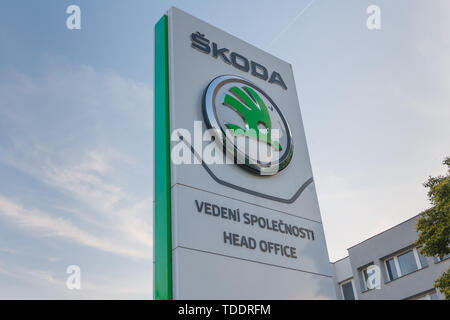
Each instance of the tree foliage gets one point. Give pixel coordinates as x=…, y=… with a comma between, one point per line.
x=433, y=225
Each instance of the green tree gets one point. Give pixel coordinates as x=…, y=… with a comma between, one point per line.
x=433, y=225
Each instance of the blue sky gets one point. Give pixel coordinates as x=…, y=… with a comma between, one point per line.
x=76, y=112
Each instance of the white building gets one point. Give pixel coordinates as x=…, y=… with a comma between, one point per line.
x=392, y=262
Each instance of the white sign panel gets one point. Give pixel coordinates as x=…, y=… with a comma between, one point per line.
x=245, y=222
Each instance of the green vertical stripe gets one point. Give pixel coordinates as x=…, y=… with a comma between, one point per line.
x=162, y=223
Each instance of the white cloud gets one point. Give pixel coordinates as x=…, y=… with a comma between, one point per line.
x=83, y=138
x=53, y=285
x=43, y=224
x=111, y=206
x=85, y=162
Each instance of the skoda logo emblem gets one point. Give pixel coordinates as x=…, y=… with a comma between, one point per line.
x=252, y=128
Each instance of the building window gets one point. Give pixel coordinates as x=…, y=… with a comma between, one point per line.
x=424, y=297
x=429, y=295
x=347, y=290
x=365, y=276
x=391, y=269
x=437, y=259
x=422, y=258
x=405, y=263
